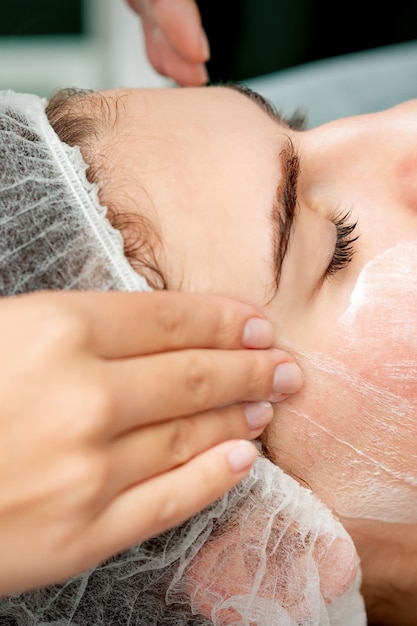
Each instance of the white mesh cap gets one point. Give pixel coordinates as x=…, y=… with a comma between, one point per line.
x=53, y=231
x=268, y=553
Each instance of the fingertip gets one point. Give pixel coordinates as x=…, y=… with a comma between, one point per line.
x=258, y=415
x=257, y=333
x=202, y=74
x=183, y=29
x=288, y=379
x=192, y=76
x=205, y=46
x=170, y=63
x=241, y=456
x=188, y=74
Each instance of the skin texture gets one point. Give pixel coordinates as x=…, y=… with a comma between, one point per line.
x=119, y=421
x=224, y=152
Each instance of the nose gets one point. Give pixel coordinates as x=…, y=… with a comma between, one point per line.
x=367, y=165
x=336, y=148
x=376, y=151
x=353, y=161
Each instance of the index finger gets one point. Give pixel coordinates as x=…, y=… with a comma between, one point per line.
x=122, y=325
x=180, y=21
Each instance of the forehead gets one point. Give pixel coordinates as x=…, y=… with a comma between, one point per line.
x=204, y=165
x=214, y=101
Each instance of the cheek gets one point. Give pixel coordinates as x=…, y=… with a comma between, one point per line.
x=352, y=433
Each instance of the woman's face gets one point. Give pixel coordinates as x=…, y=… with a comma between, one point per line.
x=233, y=189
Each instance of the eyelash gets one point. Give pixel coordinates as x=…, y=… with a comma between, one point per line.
x=344, y=250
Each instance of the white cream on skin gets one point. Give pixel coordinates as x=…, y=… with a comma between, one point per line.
x=361, y=426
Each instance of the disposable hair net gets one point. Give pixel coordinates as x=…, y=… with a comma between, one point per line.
x=54, y=234
x=268, y=552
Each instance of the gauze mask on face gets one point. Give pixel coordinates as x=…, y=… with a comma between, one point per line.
x=268, y=552
x=381, y=323
x=365, y=433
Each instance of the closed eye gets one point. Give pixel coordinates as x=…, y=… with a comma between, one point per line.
x=344, y=248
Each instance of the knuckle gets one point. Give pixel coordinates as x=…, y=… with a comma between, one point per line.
x=91, y=412
x=99, y=476
x=85, y=476
x=228, y=330
x=169, y=512
x=198, y=380
x=179, y=441
x=99, y=409
x=260, y=372
x=62, y=328
x=233, y=422
x=171, y=321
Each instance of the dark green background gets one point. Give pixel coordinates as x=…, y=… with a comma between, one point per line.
x=41, y=17
x=249, y=37
x=253, y=37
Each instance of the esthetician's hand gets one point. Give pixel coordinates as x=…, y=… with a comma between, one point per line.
x=122, y=415
x=176, y=43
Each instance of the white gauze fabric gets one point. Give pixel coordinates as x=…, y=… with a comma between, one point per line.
x=54, y=234
x=268, y=552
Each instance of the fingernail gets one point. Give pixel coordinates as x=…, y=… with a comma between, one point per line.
x=242, y=456
x=258, y=414
x=288, y=378
x=257, y=333
x=205, y=46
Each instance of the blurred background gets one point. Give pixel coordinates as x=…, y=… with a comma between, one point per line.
x=256, y=37
x=49, y=44
x=45, y=45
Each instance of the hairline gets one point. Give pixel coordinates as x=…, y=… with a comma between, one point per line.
x=91, y=128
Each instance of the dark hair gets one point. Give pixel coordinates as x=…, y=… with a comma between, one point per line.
x=85, y=118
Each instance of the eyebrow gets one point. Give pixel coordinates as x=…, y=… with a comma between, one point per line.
x=284, y=208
